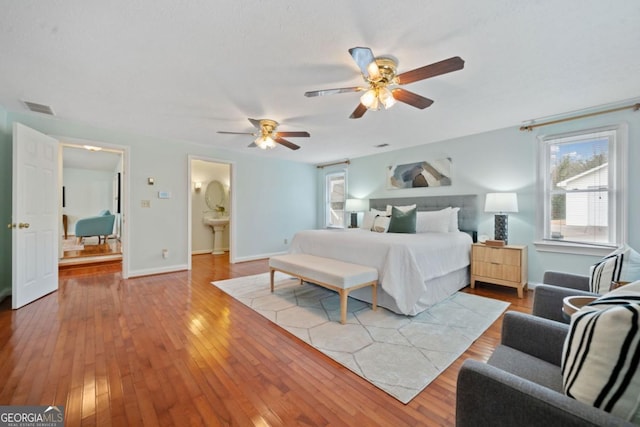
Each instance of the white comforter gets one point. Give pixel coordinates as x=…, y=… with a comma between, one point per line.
x=405, y=262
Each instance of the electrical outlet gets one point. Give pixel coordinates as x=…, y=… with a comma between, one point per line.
x=145, y=203
x=286, y=241
x=165, y=253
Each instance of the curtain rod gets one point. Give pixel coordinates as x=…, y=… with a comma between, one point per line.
x=348, y=162
x=529, y=128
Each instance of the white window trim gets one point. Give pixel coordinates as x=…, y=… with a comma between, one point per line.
x=620, y=174
x=326, y=194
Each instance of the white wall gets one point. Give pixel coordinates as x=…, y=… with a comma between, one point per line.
x=87, y=192
x=274, y=198
x=500, y=160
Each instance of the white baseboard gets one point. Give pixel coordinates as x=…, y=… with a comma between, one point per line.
x=163, y=270
x=257, y=257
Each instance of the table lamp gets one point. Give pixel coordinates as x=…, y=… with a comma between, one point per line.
x=501, y=203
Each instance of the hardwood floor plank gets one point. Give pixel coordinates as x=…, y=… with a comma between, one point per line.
x=174, y=350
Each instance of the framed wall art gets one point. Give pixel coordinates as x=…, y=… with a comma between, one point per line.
x=431, y=173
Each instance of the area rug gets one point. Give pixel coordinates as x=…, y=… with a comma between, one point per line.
x=398, y=354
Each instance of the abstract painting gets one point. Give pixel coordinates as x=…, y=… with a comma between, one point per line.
x=432, y=173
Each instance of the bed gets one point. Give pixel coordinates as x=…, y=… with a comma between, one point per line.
x=415, y=271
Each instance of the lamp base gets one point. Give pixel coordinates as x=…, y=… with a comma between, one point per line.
x=501, y=227
x=354, y=220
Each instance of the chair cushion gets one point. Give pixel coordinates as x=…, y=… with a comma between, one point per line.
x=526, y=366
x=601, y=355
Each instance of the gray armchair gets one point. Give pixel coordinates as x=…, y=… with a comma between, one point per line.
x=521, y=383
x=547, y=301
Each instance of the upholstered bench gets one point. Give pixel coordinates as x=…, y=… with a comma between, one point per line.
x=339, y=276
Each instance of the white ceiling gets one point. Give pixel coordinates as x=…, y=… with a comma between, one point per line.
x=184, y=70
x=81, y=158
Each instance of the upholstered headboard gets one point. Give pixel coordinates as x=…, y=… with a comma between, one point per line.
x=468, y=204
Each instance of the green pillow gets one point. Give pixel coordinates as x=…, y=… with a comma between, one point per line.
x=402, y=222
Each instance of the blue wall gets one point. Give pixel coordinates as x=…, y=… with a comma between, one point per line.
x=274, y=198
x=501, y=160
x=5, y=205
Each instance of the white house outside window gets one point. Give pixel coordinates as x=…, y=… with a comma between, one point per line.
x=335, y=198
x=583, y=192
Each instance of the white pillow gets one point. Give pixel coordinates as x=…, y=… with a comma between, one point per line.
x=381, y=213
x=433, y=221
x=453, y=224
x=599, y=358
x=405, y=209
x=381, y=224
x=367, y=220
x=604, y=272
x=630, y=271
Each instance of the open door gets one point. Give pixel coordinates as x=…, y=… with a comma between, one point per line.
x=35, y=217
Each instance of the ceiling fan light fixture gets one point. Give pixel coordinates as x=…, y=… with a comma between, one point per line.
x=370, y=99
x=265, y=142
x=386, y=97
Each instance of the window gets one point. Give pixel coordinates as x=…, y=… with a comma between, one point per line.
x=335, y=199
x=583, y=190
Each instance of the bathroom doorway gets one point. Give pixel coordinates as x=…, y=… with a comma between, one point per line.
x=211, y=207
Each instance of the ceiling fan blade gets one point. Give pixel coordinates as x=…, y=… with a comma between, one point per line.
x=358, y=112
x=366, y=62
x=236, y=133
x=332, y=91
x=286, y=143
x=411, y=98
x=436, y=69
x=255, y=123
x=295, y=134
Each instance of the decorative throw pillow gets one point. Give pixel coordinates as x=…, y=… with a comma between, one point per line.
x=402, y=221
x=453, y=220
x=601, y=354
x=433, y=221
x=381, y=224
x=630, y=271
x=604, y=272
x=367, y=220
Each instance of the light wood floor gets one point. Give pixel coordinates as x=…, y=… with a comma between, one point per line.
x=174, y=350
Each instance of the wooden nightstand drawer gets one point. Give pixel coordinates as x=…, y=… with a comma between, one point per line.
x=505, y=265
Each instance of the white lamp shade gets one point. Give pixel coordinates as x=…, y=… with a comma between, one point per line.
x=501, y=202
x=356, y=205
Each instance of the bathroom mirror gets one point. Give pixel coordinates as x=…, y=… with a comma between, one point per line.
x=215, y=195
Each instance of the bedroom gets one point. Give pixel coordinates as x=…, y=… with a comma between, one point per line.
x=487, y=159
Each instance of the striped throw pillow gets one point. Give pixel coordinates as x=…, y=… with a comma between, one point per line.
x=604, y=272
x=601, y=354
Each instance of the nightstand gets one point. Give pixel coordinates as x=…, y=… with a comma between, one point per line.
x=501, y=265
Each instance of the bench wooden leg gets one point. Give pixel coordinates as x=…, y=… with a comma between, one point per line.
x=271, y=273
x=344, y=295
x=374, y=296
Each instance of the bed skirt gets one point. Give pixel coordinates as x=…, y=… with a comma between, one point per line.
x=436, y=290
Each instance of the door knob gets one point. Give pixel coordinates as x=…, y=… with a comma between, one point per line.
x=11, y=226
x=23, y=225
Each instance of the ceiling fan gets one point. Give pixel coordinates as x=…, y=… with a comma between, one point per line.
x=379, y=73
x=268, y=136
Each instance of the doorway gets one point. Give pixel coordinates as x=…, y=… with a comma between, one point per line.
x=92, y=182
x=211, y=207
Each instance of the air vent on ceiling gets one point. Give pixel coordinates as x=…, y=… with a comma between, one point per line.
x=381, y=145
x=39, y=108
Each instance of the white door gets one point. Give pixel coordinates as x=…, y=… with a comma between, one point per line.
x=35, y=215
